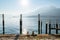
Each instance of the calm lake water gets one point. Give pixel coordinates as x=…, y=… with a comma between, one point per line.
x=30, y=23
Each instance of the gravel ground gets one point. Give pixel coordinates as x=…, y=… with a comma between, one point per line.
x=29, y=37
x=26, y=39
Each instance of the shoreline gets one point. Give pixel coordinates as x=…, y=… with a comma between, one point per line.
x=29, y=37
x=38, y=35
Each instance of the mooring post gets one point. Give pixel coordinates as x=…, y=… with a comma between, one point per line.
x=46, y=27
x=38, y=23
x=3, y=23
x=41, y=27
x=56, y=28
x=21, y=24
x=49, y=28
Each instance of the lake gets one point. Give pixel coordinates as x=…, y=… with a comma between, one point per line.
x=30, y=23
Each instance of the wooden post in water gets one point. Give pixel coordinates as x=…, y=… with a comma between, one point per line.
x=56, y=28
x=41, y=27
x=49, y=27
x=3, y=23
x=46, y=27
x=21, y=24
x=38, y=23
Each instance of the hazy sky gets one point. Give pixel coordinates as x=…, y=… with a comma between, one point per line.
x=25, y=6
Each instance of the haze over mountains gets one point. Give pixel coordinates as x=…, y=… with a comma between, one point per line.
x=47, y=11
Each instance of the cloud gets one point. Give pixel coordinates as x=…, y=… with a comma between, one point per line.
x=52, y=11
x=47, y=11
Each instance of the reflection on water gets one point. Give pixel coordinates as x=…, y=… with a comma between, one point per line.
x=24, y=31
x=29, y=24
